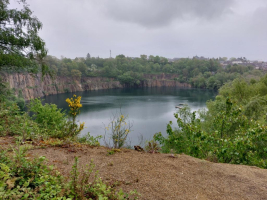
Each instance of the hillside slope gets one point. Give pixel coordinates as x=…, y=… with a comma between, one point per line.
x=160, y=176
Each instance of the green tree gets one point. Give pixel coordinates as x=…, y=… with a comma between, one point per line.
x=143, y=57
x=64, y=71
x=131, y=78
x=75, y=73
x=151, y=58
x=20, y=45
x=157, y=59
x=82, y=68
x=156, y=67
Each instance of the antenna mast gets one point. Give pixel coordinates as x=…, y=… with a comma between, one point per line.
x=110, y=53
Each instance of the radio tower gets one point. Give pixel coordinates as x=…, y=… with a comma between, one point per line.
x=110, y=53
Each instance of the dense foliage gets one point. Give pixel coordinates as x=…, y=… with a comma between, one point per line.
x=40, y=121
x=20, y=46
x=50, y=119
x=24, y=179
x=232, y=130
x=207, y=73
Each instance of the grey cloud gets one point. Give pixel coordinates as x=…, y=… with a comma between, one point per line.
x=259, y=20
x=169, y=28
x=157, y=13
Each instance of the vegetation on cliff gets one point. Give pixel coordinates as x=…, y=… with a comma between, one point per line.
x=130, y=71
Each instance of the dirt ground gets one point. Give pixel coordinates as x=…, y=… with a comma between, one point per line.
x=160, y=176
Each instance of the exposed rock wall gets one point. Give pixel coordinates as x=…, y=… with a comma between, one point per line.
x=163, y=80
x=164, y=83
x=33, y=86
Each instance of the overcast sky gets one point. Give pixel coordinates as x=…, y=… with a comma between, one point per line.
x=169, y=28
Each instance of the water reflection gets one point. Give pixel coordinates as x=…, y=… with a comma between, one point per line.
x=150, y=109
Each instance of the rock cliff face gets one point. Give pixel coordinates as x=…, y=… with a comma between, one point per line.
x=33, y=86
x=163, y=80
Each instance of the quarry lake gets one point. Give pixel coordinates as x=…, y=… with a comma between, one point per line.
x=148, y=109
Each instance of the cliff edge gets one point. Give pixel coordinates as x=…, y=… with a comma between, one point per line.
x=31, y=86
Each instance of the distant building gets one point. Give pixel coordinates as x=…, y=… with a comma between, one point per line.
x=238, y=62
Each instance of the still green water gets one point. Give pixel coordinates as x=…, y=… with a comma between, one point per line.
x=148, y=109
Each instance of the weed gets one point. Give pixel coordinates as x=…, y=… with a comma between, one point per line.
x=90, y=140
x=119, y=129
x=88, y=184
x=53, y=142
x=152, y=146
x=111, y=152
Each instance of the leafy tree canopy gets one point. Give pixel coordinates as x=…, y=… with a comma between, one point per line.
x=20, y=45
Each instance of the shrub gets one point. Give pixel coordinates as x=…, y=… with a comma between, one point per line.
x=75, y=105
x=24, y=179
x=50, y=118
x=12, y=122
x=235, y=138
x=21, y=103
x=119, y=130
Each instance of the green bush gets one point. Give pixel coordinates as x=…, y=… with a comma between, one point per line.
x=131, y=78
x=13, y=122
x=24, y=179
x=21, y=103
x=50, y=118
x=234, y=139
x=47, y=115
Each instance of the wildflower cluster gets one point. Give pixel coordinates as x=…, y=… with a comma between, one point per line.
x=81, y=127
x=74, y=104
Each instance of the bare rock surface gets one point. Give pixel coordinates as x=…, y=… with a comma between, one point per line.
x=31, y=86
